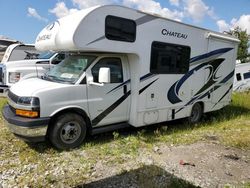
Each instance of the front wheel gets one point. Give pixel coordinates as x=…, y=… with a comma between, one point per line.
x=196, y=113
x=68, y=131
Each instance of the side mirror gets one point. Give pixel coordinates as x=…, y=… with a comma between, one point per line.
x=104, y=75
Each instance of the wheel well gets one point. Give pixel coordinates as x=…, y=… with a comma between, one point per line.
x=74, y=110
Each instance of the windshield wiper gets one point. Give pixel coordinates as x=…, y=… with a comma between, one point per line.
x=46, y=77
x=54, y=78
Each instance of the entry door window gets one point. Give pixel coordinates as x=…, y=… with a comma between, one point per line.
x=115, y=65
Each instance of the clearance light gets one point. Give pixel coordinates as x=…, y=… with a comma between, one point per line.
x=27, y=113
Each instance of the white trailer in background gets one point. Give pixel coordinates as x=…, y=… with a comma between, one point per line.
x=126, y=67
x=4, y=43
x=19, y=51
x=242, y=77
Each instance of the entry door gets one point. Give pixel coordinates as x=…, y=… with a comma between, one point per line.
x=108, y=104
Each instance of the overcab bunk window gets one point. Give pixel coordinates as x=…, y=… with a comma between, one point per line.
x=120, y=29
x=169, y=58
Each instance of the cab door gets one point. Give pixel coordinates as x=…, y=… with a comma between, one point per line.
x=108, y=103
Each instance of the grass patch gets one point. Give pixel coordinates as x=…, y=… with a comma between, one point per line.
x=38, y=164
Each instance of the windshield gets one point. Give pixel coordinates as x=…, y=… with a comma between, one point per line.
x=46, y=55
x=70, y=69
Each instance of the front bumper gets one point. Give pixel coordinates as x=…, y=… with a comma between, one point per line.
x=27, y=129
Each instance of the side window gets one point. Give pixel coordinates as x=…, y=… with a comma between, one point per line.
x=115, y=66
x=120, y=29
x=238, y=77
x=246, y=75
x=169, y=58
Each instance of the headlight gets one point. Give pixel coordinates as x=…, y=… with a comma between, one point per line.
x=31, y=101
x=14, y=77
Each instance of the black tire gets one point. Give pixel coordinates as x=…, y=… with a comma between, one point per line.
x=68, y=131
x=196, y=113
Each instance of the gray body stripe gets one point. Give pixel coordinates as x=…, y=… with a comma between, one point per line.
x=145, y=19
x=100, y=38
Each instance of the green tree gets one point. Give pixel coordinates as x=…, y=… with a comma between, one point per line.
x=242, y=35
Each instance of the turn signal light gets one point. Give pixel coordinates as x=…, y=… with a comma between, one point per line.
x=27, y=113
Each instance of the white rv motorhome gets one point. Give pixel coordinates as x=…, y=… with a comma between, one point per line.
x=242, y=77
x=125, y=67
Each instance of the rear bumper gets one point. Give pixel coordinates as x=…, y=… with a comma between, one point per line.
x=28, y=129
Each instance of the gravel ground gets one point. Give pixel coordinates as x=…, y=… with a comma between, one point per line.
x=203, y=164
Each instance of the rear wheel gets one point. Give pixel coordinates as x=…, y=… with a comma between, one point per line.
x=69, y=131
x=196, y=113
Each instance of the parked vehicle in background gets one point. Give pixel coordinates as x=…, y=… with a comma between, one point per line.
x=14, y=71
x=242, y=77
x=125, y=68
x=20, y=51
x=4, y=43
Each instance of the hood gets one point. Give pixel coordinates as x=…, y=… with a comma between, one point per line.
x=28, y=87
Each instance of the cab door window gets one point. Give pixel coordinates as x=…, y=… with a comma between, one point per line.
x=115, y=65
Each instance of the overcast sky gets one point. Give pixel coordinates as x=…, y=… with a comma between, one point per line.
x=23, y=19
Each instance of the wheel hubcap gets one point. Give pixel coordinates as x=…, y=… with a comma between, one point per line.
x=70, y=132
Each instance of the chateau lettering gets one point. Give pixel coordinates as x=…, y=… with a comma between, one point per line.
x=174, y=34
x=44, y=37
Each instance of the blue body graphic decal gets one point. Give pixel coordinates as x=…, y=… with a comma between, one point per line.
x=143, y=78
x=212, y=64
x=217, y=52
x=147, y=76
x=119, y=86
x=225, y=94
x=106, y=112
x=143, y=89
x=239, y=87
x=228, y=77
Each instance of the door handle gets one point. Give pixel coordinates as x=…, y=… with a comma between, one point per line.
x=125, y=89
